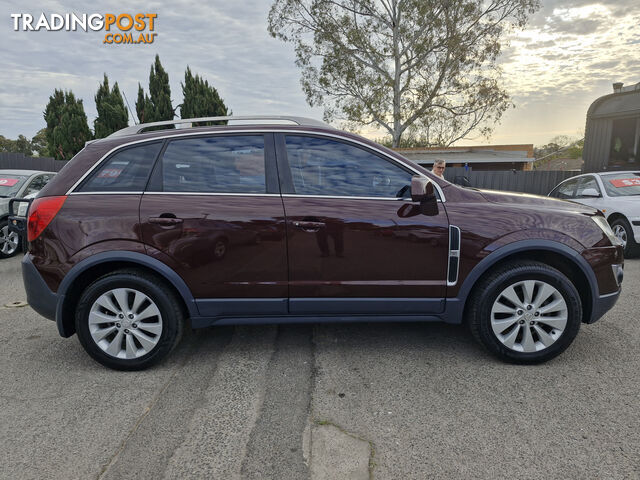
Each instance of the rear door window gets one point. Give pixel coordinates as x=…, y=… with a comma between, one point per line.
x=229, y=164
x=126, y=170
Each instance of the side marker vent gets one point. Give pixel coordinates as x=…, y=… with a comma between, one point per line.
x=454, y=255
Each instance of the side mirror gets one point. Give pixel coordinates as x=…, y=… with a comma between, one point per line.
x=590, y=193
x=421, y=188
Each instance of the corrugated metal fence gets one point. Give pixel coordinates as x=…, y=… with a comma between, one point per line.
x=539, y=182
x=19, y=161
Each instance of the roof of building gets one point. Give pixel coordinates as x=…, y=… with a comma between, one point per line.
x=471, y=154
x=623, y=101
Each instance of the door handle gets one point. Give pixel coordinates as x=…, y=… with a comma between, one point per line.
x=310, y=227
x=165, y=221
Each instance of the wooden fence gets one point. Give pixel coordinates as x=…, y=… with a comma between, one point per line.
x=18, y=161
x=539, y=182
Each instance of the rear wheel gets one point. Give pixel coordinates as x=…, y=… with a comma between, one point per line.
x=128, y=320
x=525, y=312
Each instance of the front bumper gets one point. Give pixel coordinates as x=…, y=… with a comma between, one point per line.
x=602, y=304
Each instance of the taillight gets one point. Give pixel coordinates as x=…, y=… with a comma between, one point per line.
x=41, y=213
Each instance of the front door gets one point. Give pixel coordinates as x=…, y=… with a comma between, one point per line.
x=356, y=243
x=213, y=213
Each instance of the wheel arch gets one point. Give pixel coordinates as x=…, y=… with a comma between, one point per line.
x=616, y=215
x=557, y=255
x=90, y=269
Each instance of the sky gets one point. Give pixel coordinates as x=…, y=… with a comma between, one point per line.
x=569, y=54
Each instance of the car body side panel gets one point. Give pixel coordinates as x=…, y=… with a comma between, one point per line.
x=366, y=248
x=80, y=229
x=225, y=246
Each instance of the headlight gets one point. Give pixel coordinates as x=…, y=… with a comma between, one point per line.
x=604, y=226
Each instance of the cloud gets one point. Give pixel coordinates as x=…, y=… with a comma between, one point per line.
x=568, y=55
x=225, y=42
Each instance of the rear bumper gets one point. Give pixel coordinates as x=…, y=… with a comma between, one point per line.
x=39, y=295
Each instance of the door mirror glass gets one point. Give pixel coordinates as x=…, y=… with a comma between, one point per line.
x=421, y=188
x=590, y=192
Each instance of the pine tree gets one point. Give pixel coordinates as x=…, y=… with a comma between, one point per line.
x=156, y=106
x=67, y=127
x=144, y=108
x=112, y=114
x=53, y=117
x=160, y=92
x=201, y=99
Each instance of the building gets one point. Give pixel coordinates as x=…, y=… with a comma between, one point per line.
x=484, y=157
x=612, y=134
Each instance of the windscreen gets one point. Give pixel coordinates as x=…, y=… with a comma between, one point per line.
x=622, y=184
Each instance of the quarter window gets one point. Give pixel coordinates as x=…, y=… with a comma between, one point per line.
x=588, y=188
x=125, y=171
x=232, y=164
x=566, y=189
x=321, y=166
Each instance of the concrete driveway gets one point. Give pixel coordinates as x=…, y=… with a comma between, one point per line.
x=382, y=401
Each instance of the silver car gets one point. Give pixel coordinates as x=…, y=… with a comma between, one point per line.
x=16, y=184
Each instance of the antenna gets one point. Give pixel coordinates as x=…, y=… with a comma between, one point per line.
x=132, y=115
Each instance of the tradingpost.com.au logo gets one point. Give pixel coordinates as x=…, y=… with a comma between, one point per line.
x=124, y=28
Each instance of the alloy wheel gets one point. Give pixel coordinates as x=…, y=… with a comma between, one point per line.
x=8, y=241
x=621, y=234
x=125, y=323
x=529, y=316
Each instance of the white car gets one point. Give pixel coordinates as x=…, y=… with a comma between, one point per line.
x=16, y=184
x=616, y=194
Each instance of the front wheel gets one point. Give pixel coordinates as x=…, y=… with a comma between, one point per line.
x=525, y=312
x=128, y=320
x=622, y=230
x=9, y=241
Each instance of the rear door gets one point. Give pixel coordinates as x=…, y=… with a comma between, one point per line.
x=213, y=212
x=356, y=243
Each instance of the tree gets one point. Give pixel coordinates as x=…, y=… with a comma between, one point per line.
x=67, y=127
x=21, y=145
x=157, y=106
x=201, y=99
x=39, y=143
x=144, y=107
x=403, y=64
x=112, y=114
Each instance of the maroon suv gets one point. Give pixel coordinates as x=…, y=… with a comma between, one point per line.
x=267, y=222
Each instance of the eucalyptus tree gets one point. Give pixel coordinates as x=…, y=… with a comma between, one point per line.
x=427, y=68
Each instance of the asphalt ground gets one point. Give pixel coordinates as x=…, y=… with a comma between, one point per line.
x=383, y=401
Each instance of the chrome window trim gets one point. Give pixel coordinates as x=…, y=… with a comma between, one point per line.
x=257, y=131
x=105, y=193
x=216, y=194
x=394, y=199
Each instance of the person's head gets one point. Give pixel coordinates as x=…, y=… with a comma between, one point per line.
x=438, y=167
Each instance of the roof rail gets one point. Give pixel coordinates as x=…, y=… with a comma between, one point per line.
x=187, y=122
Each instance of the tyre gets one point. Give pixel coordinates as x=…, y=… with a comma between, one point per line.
x=525, y=312
x=622, y=230
x=9, y=241
x=128, y=320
